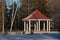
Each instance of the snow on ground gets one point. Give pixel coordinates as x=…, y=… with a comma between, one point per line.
x=31, y=37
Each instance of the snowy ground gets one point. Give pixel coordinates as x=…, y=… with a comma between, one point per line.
x=31, y=37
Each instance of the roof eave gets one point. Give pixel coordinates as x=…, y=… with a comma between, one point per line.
x=37, y=19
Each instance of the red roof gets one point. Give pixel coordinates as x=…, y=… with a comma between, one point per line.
x=37, y=15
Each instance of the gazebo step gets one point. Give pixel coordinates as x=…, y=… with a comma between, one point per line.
x=42, y=32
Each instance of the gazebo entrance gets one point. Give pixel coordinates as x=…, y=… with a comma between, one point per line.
x=37, y=22
x=36, y=26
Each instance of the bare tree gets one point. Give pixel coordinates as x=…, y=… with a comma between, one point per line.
x=3, y=6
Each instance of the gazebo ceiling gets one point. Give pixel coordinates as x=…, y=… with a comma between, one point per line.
x=37, y=15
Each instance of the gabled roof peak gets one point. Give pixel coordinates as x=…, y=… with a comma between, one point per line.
x=36, y=15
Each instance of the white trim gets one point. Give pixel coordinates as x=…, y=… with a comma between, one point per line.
x=37, y=19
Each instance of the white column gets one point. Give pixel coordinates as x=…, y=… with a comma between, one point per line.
x=39, y=25
x=47, y=25
x=44, y=26
x=34, y=27
x=29, y=25
x=24, y=26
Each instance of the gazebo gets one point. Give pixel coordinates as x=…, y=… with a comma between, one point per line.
x=37, y=21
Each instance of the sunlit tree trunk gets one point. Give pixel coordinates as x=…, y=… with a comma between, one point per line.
x=3, y=15
x=14, y=12
x=12, y=16
x=13, y=20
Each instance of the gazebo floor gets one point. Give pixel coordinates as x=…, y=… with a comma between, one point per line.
x=27, y=32
x=41, y=32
